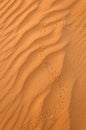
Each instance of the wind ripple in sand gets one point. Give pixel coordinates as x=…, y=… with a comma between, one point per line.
x=33, y=38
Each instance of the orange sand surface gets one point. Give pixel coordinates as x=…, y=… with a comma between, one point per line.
x=42, y=64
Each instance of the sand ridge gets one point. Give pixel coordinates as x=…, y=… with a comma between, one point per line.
x=40, y=64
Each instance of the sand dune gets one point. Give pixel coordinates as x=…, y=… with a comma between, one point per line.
x=42, y=65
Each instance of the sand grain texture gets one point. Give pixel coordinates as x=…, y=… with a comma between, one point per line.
x=42, y=65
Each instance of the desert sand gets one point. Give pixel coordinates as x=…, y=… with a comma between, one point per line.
x=42, y=64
